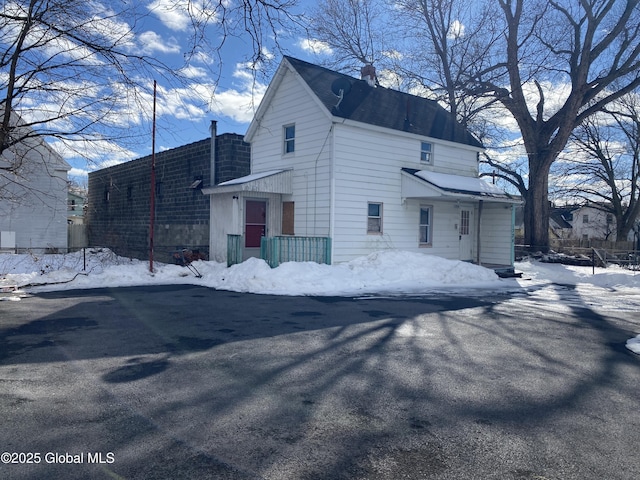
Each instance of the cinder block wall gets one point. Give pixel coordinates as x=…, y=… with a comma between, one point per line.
x=119, y=198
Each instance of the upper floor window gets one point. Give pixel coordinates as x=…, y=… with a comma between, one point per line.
x=585, y=219
x=374, y=218
x=426, y=150
x=289, y=138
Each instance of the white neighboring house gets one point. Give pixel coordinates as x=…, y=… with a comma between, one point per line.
x=585, y=222
x=590, y=222
x=33, y=198
x=367, y=167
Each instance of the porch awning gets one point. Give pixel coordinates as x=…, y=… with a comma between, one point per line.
x=272, y=181
x=426, y=184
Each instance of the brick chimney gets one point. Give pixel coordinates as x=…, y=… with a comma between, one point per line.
x=368, y=74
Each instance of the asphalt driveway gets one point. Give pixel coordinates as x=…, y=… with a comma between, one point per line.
x=187, y=382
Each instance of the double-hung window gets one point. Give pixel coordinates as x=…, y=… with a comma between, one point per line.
x=426, y=152
x=289, y=138
x=426, y=224
x=374, y=218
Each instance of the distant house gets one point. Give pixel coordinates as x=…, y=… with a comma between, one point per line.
x=76, y=203
x=363, y=167
x=584, y=223
x=561, y=222
x=118, y=209
x=33, y=198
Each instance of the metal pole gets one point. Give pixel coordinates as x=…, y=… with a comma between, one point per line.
x=152, y=201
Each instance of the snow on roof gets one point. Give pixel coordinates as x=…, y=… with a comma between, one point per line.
x=459, y=183
x=249, y=178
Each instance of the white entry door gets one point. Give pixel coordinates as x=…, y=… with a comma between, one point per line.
x=465, y=232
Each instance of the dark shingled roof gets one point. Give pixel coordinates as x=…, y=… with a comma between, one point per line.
x=382, y=106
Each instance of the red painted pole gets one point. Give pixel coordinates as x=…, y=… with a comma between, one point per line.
x=152, y=202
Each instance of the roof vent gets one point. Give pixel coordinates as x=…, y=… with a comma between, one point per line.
x=368, y=74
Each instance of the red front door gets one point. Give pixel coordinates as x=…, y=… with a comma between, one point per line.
x=255, y=222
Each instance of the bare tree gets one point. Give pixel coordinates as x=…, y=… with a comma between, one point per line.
x=446, y=41
x=357, y=31
x=591, y=46
x=74, y=69
x=550, y=64
x=605, y=166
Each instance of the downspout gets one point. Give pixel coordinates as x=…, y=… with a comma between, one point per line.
x=480, y=205
x=513, y=235
x=332, y=191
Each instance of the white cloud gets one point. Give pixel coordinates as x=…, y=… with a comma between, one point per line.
x=93, y=153
x=192, y=71
x=456, y=30
x=179, y=15
x=238, y=102
x=315, y=46
x=78, y=172
x=152, y=42
x=555, y=95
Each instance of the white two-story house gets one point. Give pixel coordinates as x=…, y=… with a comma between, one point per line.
x=33, y=195
x=363, y=167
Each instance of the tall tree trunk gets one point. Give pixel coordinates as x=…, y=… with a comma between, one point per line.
x=536, y=210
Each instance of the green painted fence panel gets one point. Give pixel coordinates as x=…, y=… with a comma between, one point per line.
x=234, y=249
x=277, y=250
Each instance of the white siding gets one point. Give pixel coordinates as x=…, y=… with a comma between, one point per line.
x=368, y=169
x=34, y=203
x=224, y=220
x=227, y=218
x=293, y=104
x=497, y=232
x=339, y=166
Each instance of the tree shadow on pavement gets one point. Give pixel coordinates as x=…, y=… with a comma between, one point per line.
x=246, y=386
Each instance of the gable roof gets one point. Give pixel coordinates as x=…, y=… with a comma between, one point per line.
x=381, y=106
x=563, y=216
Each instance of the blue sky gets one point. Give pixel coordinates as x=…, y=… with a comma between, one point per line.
x=184, y=113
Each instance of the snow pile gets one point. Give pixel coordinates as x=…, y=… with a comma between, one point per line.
x=612, y=277
x=384, y=272
x=633, y=344
x=387, y=271
x=379, y=272
x=51, y=269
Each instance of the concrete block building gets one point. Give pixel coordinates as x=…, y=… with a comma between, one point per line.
x=118, y=211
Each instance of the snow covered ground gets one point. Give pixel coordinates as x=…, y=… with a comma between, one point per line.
x=381, y=273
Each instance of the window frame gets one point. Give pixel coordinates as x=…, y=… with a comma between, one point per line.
x=429, y=226
x=378, y=217
x=465, y=222
x=426, y=155
x=289, y=143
